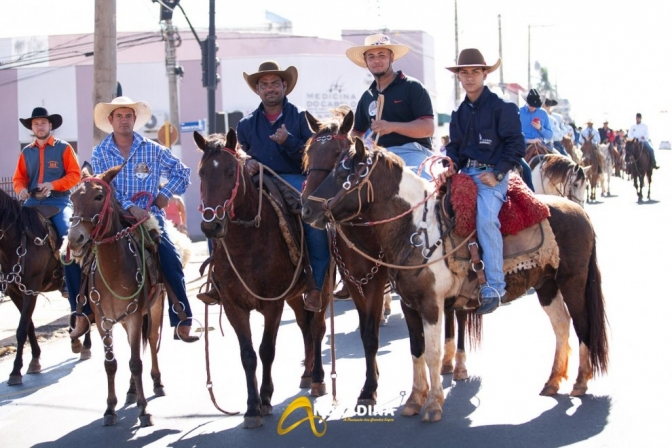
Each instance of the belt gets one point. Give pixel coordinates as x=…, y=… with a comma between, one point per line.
x=471, y=163
x=56, y=194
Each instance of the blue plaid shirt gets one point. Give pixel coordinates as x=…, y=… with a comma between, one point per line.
x=147, y=164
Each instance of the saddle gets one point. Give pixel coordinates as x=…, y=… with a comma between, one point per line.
x=44, y=212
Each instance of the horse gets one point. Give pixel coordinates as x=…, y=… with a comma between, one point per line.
x=129, y=293
x=609, y=163
x=374, y=184
x=558, y=176
x=593, y=161
x=573, y=152
x=639, y=165
x=367, y=278
x=253, y=269
x=535, y=149
x=29, y=265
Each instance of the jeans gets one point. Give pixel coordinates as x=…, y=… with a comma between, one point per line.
x=488, y=204
x=317, y=240
x=171, y=265
x=527, y=173
x=648, y=146
x=413, y=154
x=61, y=221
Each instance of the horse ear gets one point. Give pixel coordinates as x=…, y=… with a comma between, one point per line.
x=87, y=169
x=200, y=141
x=313, y=123
x=110, y=174
x=586, y=168
x=360, y=149
x=348, y=122
x=231, y=139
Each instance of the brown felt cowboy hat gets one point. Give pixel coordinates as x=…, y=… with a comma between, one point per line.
x=471, y=57
x=356, y=54
x=40, y=112
x=143, y=113
x=290, y=75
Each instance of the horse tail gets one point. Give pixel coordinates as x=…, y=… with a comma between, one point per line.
x=597, y=318
x=474, y=329
x=145, y=330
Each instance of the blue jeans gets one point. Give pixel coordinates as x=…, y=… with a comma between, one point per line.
x=560, y=148
x=413, y=154
x=527, y=174
x=488, y=204
x=171, y=265
x=648, y=146
x=317, y=240
x=61, y=221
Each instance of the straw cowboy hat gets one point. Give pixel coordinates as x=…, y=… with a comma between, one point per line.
x=356, y=54
x=143, y=113
x=40, y=112
x=471, y=57
x=290, y=75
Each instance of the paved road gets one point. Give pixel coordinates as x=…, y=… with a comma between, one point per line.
x=498, y=406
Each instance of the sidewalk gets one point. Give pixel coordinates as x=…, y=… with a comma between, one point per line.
x=52, y=311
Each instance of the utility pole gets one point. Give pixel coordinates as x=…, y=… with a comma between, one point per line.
x=529, y=63
x=104, y=57
x=212, y=67
x=171, y=72
x=457, y=82
x=501, y=67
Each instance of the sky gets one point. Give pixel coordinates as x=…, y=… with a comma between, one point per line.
x=610, y=59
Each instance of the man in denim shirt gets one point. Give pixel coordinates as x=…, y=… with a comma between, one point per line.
x=486, y=142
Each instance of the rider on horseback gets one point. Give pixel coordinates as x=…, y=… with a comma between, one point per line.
x=46, y=171
x=640, y=131
x=589, y=134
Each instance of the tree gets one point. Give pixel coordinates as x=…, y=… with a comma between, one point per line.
x=545, y=88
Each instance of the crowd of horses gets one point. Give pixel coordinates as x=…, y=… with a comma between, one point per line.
x=366, y=199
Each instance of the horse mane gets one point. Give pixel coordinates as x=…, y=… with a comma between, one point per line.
x=558, y=169
x=10, y=207
x=25, y=218
x=390, y=158
x=217, y=144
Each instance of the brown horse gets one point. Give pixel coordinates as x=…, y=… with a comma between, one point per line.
x=366, y=278
x=572, y=151
x=128, y=292
x=639, y=165
x=375, y=184
x=558, y=176
x=253, y=269
x=535, y=149
x=29, y=265
x=593, y=163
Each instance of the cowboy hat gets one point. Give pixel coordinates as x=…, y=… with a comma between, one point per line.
x=550, y=103
x=356, y=54
x=590, y=121
x=471, y=57
x=40, y=112
x=143, y=113
x=533, y=99
x=290, y=75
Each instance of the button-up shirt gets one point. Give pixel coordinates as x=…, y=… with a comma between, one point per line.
x=529, y=131
x=639, y=131
x=590, y=134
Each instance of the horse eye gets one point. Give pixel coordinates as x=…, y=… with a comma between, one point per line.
x=99, y=197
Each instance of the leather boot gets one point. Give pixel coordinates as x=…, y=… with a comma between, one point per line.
x=313, y=301
x=182, y=333
x=82, y=325
x=209, y=297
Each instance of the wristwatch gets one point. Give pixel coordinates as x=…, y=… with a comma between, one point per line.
x=499, y=176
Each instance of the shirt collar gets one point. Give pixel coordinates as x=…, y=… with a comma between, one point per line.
x=50, y=142
x=397, y=80
x=481, y=98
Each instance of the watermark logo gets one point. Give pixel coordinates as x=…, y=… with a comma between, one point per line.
x=305, y=404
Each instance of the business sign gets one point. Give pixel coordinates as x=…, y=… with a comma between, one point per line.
x=191, y=126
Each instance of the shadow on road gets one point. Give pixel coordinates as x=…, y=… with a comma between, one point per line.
x=34, y=382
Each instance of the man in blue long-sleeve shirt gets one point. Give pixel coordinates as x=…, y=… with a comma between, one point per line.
x=534, y=120
x=275, y=135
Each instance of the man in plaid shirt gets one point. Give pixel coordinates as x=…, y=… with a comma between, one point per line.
x=146, y=162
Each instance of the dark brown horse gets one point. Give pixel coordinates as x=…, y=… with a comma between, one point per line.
x=29, y=265
x=253, y=269
x=367, y=279
x=593, y=163
x=374, y=184
x=639, y=165
x=536, y=149
x=121, y=283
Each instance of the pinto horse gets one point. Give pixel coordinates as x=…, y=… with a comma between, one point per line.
x=593, y=162
x=29, y=265
x=639, y=165
x=373, y=183
x=366, y=278
x=558, y=176
x=253, y=269
x=120, y=278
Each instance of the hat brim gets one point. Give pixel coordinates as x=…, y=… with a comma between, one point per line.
x=290, y=75
x=486, y=68
x=356, y=54
x=55, y=119
x=143, y=113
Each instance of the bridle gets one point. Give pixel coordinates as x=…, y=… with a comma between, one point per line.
x=566, y=191
x=220, y=211
x=322, y=139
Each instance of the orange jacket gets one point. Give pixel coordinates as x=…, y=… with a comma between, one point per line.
x=32, y=161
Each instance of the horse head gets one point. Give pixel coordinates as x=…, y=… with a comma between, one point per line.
x=94, y=211
x=221, y=170
x=323, y=150
x=577, y=188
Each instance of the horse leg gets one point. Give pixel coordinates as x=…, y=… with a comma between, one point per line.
x=318, y=328
x=387, y=307
x=648, y=178
x=154, y=335
x=272, y=313
x=461, y=355
x=435, y=399
x=134, y=330
x=449, y=346
x=26, y=307
x=369, y=307
x=420, y=387
x=553, y=304
x=34, y=366
x=302, y=321
x=110, y=416
x=86, y=349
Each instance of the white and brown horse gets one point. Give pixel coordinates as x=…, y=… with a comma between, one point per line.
x=558, y=176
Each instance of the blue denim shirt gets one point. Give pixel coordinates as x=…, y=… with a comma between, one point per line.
x=254, y=133
x=529, y=132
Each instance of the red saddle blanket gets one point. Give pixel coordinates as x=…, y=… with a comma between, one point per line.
x=520, y=211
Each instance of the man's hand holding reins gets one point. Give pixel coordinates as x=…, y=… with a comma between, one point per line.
x=137, y=212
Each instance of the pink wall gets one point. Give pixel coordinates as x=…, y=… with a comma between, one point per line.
x=9, y=147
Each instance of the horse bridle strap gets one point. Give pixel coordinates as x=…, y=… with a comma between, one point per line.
x=228, y=203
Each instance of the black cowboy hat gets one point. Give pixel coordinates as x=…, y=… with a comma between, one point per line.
x=533, y=99
x=550, y=103
x=40, y=112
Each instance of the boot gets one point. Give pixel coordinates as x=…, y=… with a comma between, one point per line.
x=342, y=294
x=182, y=333
x=82, y=325
x=313, y=301
x=210, y=297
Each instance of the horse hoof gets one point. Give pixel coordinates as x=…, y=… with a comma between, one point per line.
x=306, y=381
x=460, y=374
x=366, y=401
x=252, y=422
x=131, y=398
x=318, y=389
x=266, y=409
x=15, y=380
x=579, y=391
x=76, y=346
x=86, y=354
x=159, y=392
x=411, y=409
x=146, y=420
x=447, y=369
x=34, y=366
x=549, y=391
x=432, y=416
x=110, y=420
